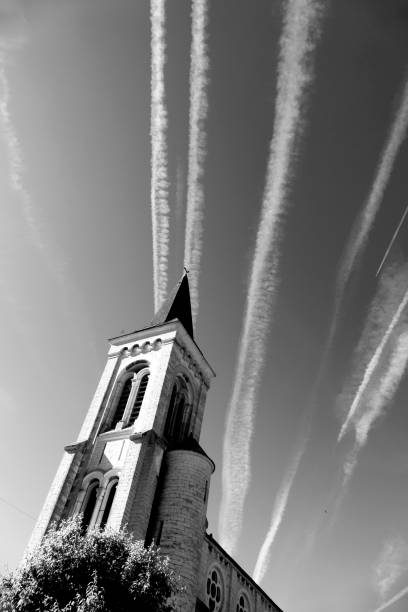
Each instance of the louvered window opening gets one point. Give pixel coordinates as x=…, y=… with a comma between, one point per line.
x=120, y=408
x=139, y=399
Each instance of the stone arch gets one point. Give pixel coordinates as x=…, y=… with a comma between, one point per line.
x=215, y=588
x=177, y=425
x=88, y=498
x=125, y=395
x=243, y=602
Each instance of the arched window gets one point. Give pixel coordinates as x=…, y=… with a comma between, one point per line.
x=90, y=503
x=179, y=421
x=170, y=411
x=141, y=390
x=242, y=604
x=131, y=389
x=111, y=491
x=215, y=591
x=178, y=412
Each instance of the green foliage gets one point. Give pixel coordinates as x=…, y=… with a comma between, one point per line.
x=100, y=571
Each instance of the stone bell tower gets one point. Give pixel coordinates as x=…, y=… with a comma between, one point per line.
x=137, y=460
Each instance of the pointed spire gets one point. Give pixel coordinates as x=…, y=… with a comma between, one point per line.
x=177, y=306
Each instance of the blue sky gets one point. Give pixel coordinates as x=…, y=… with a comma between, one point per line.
x=76, y=266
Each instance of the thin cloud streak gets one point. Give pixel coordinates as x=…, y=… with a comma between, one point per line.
x=294, y=75
x=393, y=600
x=364, y=223
x=379, y=392
x=199, y=80
x=380, y=396
x=277, y=516
x=391, y=565
x=159, y=192
x=15, y=159
x=388, y=386
x=374, y=361
x=53, y=261
x=394, y=236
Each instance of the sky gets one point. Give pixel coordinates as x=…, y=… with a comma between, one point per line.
x=323, y=434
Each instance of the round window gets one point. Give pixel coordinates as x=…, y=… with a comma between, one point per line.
x=214, y=590
x=242, y=605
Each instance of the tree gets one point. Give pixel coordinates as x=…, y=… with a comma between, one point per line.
x=97, y=571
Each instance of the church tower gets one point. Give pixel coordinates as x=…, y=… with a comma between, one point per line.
x=137, y=460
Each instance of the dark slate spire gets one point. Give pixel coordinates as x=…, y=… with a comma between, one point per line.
x=177, y=306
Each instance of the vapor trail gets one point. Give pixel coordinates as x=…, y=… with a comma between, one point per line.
x=392, y=240
x=366, y=218
x=54, y=263
x=199, y=66
x=277, y=516
x=15, y=158
x=393, y=600
x=381, y=387
x=159, y=191
x=297, y=42
x=380, y=396
x=363, y=224
x=373, y=365
x=377, y=396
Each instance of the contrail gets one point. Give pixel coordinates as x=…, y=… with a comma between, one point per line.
x=373, y=365
x=393, y=600
x=367, y=216
x=294, y=75
x=380, y=396
x=363, y=224
x=15, y=160
x=159, y=172
x=277, y=516
x=392, y=240
x=389, y=294
x=55, y=264
x=199, y=67
x=388, y=386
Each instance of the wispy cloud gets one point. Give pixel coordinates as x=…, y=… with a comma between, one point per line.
x=372, y=365
x=391, y=565
x=365, y=220
x=380, y=388
x=199, y=67
x=13, y=35
x=159, y=172
x=377, y=399
x=15, y=159
x=277, y=516
x=297, y=42
x=393, y=600
x=393, y=239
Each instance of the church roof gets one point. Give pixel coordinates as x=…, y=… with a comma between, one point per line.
x=177, y=306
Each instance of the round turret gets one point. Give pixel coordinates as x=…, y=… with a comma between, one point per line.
x=180, y=517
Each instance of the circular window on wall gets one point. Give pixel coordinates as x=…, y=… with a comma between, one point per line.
x=214, y=590
x=242, y=605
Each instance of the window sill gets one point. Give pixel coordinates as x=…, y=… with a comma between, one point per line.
x=116, y=434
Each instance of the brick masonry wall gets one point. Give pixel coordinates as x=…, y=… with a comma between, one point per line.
x=182, y=508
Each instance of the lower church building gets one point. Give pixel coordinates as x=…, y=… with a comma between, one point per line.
x=138, y=460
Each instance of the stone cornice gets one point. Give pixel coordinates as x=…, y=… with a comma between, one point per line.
x=75, y=447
